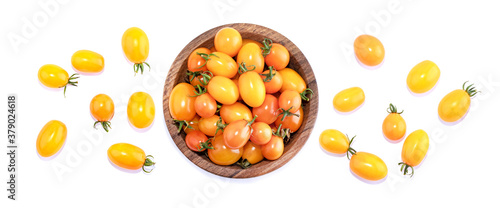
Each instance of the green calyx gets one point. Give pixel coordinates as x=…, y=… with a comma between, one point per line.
x=206, y=57
x=205, y=145
x=106, y=125
x=350, y=150
x=140, y=66
x=392, y=109
x=268, y=44
x=148, y=163
x=207, y=75
x=243, y=163
x=269, y=76
x=286, y=113
x=470, y=89
x=220, y=125
x=243, y=68
x=199, y=91
x=405, y=169
x=306, y=92
x=283, y=133
x=182, y=123
x=71, y=81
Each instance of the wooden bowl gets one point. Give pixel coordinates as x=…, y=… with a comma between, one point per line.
x=298, y=62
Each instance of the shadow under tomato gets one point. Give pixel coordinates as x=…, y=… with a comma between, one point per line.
x=143, y=129
x=350, y=112
x=455, y=122
x=123, y=169
x=87, y=73
x=332, y=154
x=368, y=181
x=425, y=93
x=394, y=141
x=51, y=157
x=369, y=67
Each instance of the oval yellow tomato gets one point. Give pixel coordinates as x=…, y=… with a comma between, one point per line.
x=251, y=56
x=221, y=154
x=369, y=50
x=252, y=88
x=51, y=138
x=292, y=81
x=423, y=77
x=87, y=61
x=394, y=126
x=334, y=141
x=135, y=45
x=455, y=104
x=252, y=153
x=54, y=76
x=223, y=90
x=414, y=150
x=234, y=112
x=220, y=64
x=368, y=166
x=102, y=109
x=209, y=125
x=181, y=102
x=129, y=157
x=228, y=40
x=141, y=110
x=349, y=99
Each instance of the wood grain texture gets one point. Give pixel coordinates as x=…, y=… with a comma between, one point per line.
x=298, y=62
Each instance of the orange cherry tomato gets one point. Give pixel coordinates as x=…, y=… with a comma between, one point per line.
x=102, y=109
x=246, y=41
x=290, y=100
x=251, y=56
x=394, y=126
x=209, y=125
x=292, y=122
x=252, y=153
x=228, y=40
x=181, y=102
x=252, y=89
x=223, y=155
x=220, y=64
x=141, y=110
x=277, y=55
x=274, y=148
x=196, y=62
x=193, y=124
x=273, y=82
x=129, y=157
x=205, y=105
x=237, y=133
x=292, y=81
x=261, y=133
x=197, y=141
x=268, y=111
x=223, y=90
x=234, y=112
x=369, y=50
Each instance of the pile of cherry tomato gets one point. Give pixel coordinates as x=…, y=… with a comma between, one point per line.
x=240, y=102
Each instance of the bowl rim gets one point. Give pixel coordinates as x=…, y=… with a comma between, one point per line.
x=264, y=166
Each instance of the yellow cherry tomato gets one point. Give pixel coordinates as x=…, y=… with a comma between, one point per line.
x=335, y=142
x=221, y=154
x=102, y=109
x=246, y=41
x=223, y=90
x=394, y=126
x=234, y=112
x=414, y=150
x=455, y=104
x=51, y=138
x=251, y=55
x=181, y=102
x=252, y=88
x=87, y=61
x=141, y=110
x=423, y=77
x=129, y=157
x=252, y=153
x=135, y=45
x=369, y=50
x=220, y=64
x=368, y=166
x=292, y=81
x=228, y=40
x=54, y=76
x=349, y=99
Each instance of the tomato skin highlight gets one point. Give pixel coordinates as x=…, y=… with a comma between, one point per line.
x=87, y=61
x=221, y=154
x=196, y=62
x=205, y=105
x=234, y=112
x=228, y=40
x=274, y=148
x=290, y=99
x=369, y=50
x=126, y=156
x=135, y=45
x=220, y=64
x=423, y=77
x=141, y=110
x=194, y=125
x=237, y=134
x=268, y=111
x=261, y=133
x=349, y=99
x=53, y=76
x=102, y=107
x=182, y=102
x=368, y=166
x=278, y=57
x=51, y=138
x=194, y=139
x=415, y=148
x=334, y=141
x=223, y=90
x=292, y=81
x=454, y=106
x=251, y=55
x=252, y=153
x=252, y=89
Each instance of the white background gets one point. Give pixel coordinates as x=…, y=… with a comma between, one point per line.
x=461, y=168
